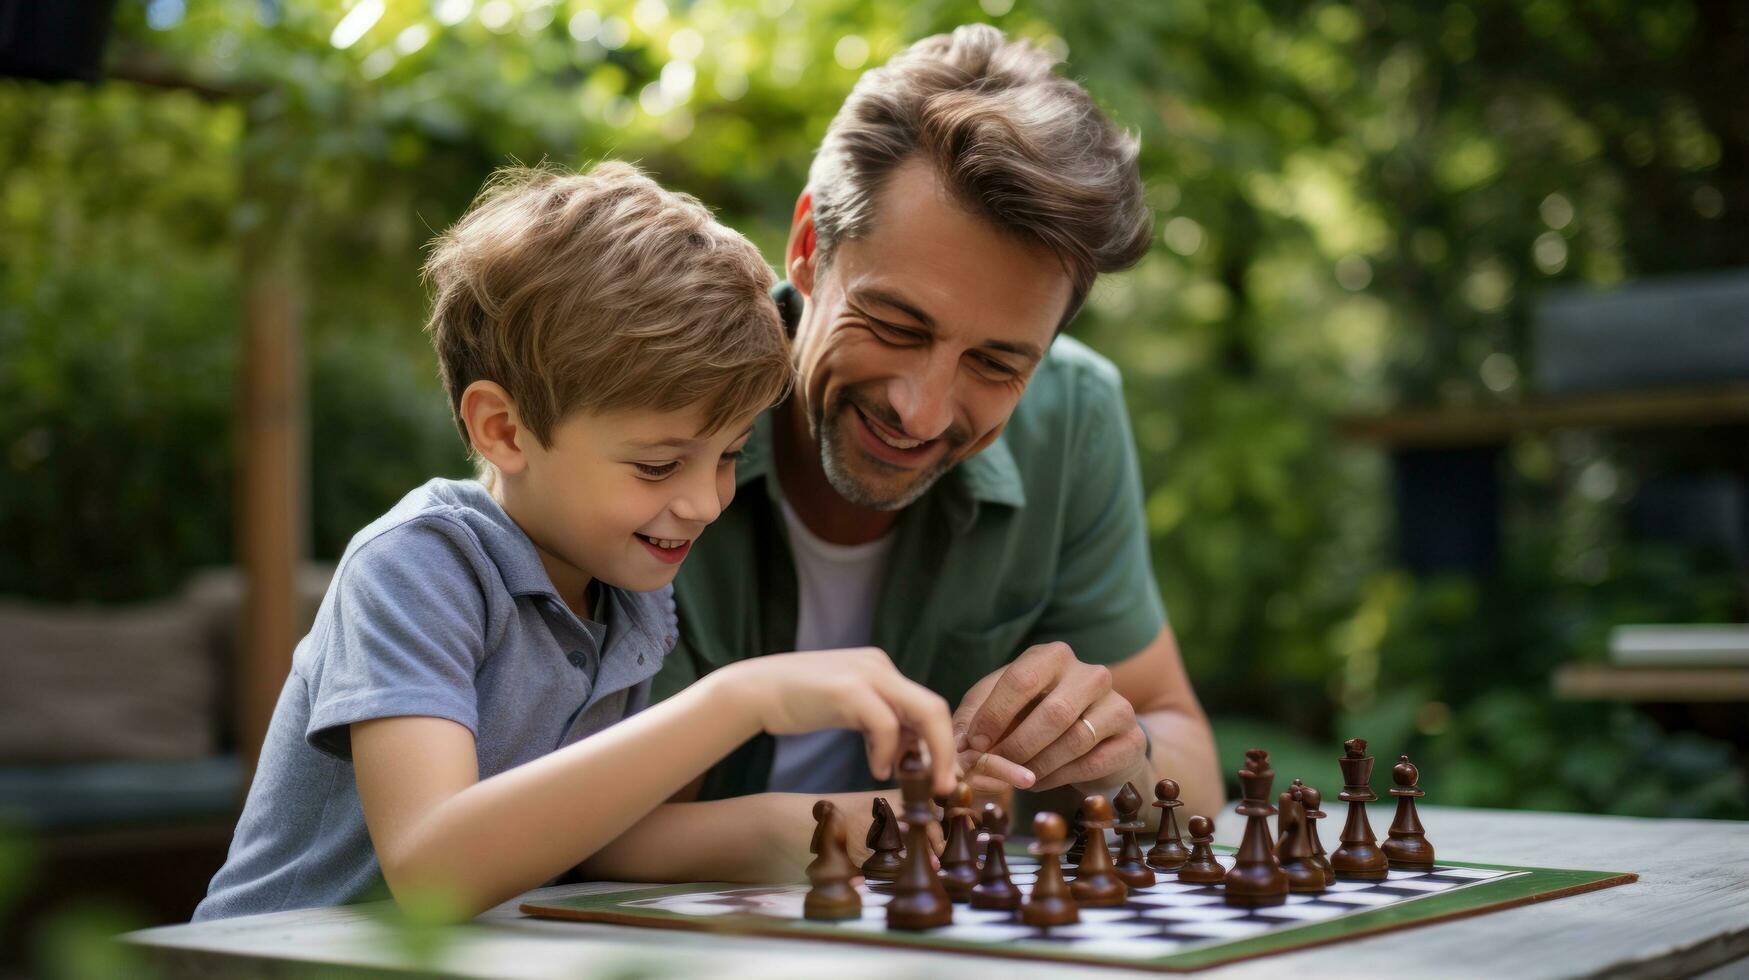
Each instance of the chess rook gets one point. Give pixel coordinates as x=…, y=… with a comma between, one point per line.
x=1256, y=879
x=1407, y=846
x=1359, y=856
x=1168, y=852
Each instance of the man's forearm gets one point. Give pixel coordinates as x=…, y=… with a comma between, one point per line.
x=1184, y=750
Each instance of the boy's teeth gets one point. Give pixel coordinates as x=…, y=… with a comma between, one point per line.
x=665, y=542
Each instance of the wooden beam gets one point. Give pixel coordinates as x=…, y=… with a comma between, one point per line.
x=1726, y=404
x=271, y=511
x=1680, y=685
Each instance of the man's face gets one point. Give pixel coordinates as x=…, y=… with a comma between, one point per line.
x=918, y=340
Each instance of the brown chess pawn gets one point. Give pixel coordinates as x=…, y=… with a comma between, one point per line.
x=1303, y=875
x=995, y=890
x=884, y=840
x=919, y=901
x=832, y=897
x=1256, y=879
x=1314, y=803
x=1201, y=868
x=1358, y=857
x=1096, y=880
x=959, y=861
x=1168, y=852
x=1407, y=846
x=1130, y=866
x=1050, y=903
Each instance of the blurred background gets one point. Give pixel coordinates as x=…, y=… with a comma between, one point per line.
x=1439, y=366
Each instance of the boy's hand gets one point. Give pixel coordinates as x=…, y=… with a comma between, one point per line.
x=859, y=688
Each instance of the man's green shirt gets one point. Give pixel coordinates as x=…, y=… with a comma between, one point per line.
x=1040, y=537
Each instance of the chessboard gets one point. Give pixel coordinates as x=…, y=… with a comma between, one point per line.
x=1168, y=926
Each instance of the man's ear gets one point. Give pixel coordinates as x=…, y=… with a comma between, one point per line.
x=495, y=430
x=800, y=255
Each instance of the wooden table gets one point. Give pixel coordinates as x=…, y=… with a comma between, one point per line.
x=1688, y=913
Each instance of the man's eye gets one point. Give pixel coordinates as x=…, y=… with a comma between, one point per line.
x=894, y=335
x=657, y=470
x=996, y=369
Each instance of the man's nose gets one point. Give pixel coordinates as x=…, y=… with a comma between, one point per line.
x=923, y=398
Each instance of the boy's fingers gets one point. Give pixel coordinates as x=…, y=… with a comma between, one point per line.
x=880, y=729
x=924, y=712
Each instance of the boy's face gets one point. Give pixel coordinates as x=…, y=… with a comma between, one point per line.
x=621, y=496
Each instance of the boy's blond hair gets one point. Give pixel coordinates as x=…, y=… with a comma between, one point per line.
x=600, y=292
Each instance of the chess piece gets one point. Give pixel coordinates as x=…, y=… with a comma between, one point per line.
x=884, y=840
x=1256, y=878
x=995, y=890
x=1314, y=803
x=1358, y=857
x=1168, y=853
x=832, y=897
x=1050, y=903
x=1130, y=866
x=1303, y=875
x=919, y=901
x=1283, y=827
x=959, y=862
x=1201, y=868
x=822, y=809
x=1096, y=881
x=1078, y=849
x=1407, y=846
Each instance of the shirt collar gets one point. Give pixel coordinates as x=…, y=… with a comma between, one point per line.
x=520, y=567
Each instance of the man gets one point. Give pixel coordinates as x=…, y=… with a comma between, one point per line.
x=953, y=481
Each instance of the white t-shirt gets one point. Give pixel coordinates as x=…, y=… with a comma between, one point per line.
x=838, y=586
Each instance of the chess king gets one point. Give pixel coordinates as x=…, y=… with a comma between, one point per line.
x=953, y=479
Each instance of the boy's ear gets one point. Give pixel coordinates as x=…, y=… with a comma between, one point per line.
x=799, y=255
x=494, y=428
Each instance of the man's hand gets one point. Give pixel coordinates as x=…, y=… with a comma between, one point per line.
x=1046, y=720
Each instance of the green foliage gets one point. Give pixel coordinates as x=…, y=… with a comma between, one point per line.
x=1358, y=205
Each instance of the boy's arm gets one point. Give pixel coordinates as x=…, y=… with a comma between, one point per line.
x=436, y=829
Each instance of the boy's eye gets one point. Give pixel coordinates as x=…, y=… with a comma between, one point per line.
x=730, y=458
x=656, y=470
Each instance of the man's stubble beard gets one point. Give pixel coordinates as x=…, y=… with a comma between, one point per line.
x=834, y=456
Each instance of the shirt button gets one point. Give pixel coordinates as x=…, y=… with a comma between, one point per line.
x=640, y=658
x=578, y=660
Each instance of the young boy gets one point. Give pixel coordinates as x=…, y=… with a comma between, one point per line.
x=467, y=716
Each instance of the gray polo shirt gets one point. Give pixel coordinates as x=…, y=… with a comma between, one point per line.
x=439, y=608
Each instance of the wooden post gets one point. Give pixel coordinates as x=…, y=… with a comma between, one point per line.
x=271, y=512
